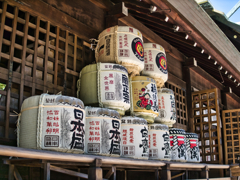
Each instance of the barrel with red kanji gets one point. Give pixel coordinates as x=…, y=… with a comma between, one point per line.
x=105, y=85
x=103, y=132
x=134, y=138
x=166, y=105
x=122, y=45
x=155, y=63
x=178, y=145
x=159, y=142
x=193, y=152
x=52, y=122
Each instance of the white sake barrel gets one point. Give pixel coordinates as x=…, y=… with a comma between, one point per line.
x=155, y=63
x=193, y=152
x=122, y=45
x=52, y=122
x=159, y=142
x=166, y=105
x=105, y=85
x=103, y=132
x=144, y=98
x=178, y=145
x=134, y=137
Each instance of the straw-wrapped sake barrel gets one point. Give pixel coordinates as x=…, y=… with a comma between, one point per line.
x=144, y=98
x=134, y=137
x=178, y=145
x=105, y=85
x=103, y=131
x=122, y=45
x=193, y=152
x=159, y=142
x=155, y=63
x=52, y=122
x=166, y=105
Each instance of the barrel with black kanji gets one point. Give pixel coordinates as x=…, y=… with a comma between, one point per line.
x=134, y=137
x=105, y=85
x=178, y=145
x=159, y=142
x=52, y=122
x=122, y=45
x=103, y=132
x=193, y=152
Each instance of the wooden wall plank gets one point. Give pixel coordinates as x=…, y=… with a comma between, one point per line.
x=3, y=17
x=56, y=60
x=65, y=64
x=46, y=56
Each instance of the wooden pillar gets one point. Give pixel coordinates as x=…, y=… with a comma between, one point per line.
x=166, y=173
x=189, y=63
x=157, y=174
x=95, y=171
x=205, y=173
x=46, y=171
x=11, y=172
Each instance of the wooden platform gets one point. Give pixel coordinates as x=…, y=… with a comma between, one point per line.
x=60, y=162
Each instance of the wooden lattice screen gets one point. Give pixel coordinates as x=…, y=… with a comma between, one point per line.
x=181, y=106
x=231, y=132
x=36, y=56
x=207, y=124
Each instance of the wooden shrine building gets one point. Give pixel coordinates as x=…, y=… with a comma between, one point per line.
x=44, y=44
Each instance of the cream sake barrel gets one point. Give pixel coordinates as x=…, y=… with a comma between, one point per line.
x=166, y=105
x=144, y=98
x=134, y=138
x=122, y=45
x=178, y=145
x=104, y=85
x=159, y=142
x=52, y=122
x=155, y=63
x=193, y=152
x=103, y=132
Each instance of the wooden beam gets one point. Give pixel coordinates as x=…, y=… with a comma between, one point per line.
x=110, y=172
x=68, y=172
x=16, y=174
x=166, y=173
x=191, y=62
x=153, y=37
x=103, y=4
x=119, y=10
x=46, y=167
x=11, y=172
x=95, y=171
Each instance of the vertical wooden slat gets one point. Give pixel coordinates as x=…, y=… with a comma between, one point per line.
x=225, y=136
x=74, y=65
x=46, y=171
x=10, y=69
x=46, y=57
x=209, y=124
x=3, y=17
x=35, y=55
x=56, y=60
x=11, y=172
x=23, y=58
x=65, y=65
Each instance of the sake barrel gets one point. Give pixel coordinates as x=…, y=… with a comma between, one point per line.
x=144, y=98
x=155, y=63
x=193, y=152
x=52, y=122
x=134, y=137
x=178, y=144
x=166, y=105
x=105, y=85
x=122, y=45
x=159, y=142
x=103, y=131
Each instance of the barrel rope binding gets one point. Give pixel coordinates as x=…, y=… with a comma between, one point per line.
x=39, y=122
x=115, y=55
x=131, y=96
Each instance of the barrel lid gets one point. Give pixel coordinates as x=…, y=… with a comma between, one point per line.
x=191, y=135
x=101, y=112
x=153, y=46
x=176, y=131
x=158, y=127
x=133, y=120
x=143, y=78
x=67, y=100
x=165, y=90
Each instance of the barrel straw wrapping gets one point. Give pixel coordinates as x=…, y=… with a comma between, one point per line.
x=105, y=85
x=52, y=122
x=103, y=132
x=122, y=45
x=155, y=63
